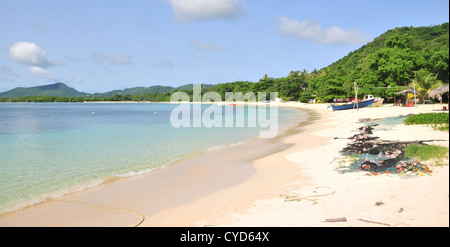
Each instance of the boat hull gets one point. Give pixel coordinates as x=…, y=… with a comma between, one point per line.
x=352, y=105
x=378, y=102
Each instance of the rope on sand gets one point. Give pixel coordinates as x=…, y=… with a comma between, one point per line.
x=296, y=197
x=109, y=208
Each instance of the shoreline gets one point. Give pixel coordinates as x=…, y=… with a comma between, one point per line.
x=273, y=174
x=76, y=203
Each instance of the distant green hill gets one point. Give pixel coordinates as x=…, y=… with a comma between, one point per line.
x=135, y=91
x=190, y=87
x=62, y=90
x=56, y=89
x=147, y=90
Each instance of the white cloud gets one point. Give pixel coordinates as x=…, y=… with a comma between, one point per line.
x=40, y=72
x=100, y=58
x=28, y=53
x=313, y=31
x=197, y=10
x=199, y=45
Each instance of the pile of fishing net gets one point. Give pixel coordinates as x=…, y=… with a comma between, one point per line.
x=376, y=156
x=393, y=165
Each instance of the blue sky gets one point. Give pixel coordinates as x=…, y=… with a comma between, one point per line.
x=98, y=46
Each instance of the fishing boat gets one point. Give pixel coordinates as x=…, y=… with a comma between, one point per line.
x=353, y=105
x=368, y=101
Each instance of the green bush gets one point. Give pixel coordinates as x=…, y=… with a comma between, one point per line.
x=428, y=118
x=425, y=152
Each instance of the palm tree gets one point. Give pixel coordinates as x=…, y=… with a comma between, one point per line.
x=425, y=82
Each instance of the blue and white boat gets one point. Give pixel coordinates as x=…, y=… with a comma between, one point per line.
x=352, y=105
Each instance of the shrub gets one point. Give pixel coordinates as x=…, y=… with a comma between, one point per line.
x=427, y=118
x=425, y=152
x=439, y=121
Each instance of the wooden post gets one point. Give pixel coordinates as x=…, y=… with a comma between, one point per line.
x=356, y=95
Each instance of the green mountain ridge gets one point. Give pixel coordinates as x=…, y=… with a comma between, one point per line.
x=136, y=91
x=56, y=89
x=62, y=90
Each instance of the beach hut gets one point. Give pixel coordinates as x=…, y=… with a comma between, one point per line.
x=438, y=92
x=409, y=94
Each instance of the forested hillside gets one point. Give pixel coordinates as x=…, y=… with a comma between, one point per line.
x=393, y=61
x=56, y=89
x=396, y=58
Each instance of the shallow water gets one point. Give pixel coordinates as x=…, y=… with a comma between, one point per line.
x=51, y=149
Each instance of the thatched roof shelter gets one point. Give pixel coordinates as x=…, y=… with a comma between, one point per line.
x=407, y=92
x=438, y=92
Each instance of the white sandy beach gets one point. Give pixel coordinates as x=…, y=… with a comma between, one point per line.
x=201, y=191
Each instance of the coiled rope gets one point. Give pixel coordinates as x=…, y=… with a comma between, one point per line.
x=296, y=197
x=109, y=208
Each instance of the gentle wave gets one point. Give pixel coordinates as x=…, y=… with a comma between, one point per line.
x=20, y=204
x=145, y=171
x=226, y=146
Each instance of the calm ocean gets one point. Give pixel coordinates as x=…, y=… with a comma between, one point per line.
x=50, y=149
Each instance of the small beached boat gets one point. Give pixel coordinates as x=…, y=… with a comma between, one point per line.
x=352, y=105
x=366, y=102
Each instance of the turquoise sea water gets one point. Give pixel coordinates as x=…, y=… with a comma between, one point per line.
x=51, y=149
